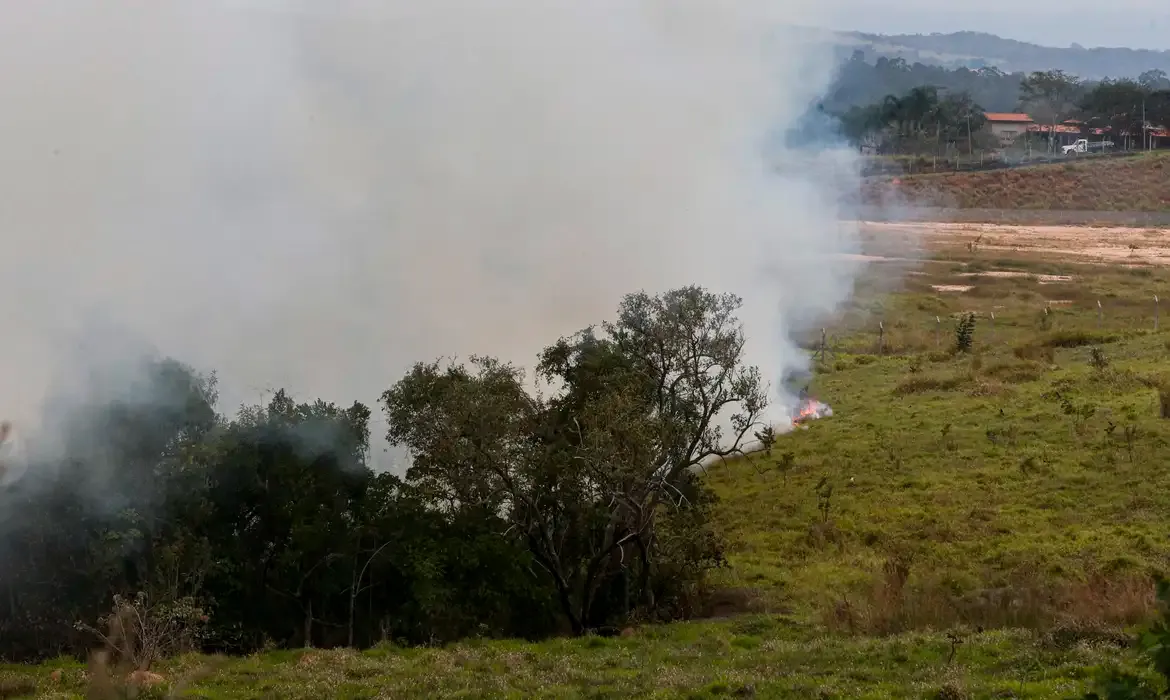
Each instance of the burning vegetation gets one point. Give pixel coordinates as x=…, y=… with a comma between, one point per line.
x=810, y=409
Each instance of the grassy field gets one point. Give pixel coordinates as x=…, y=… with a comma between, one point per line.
x=748, y=657
x=1140, y=184
x=994, y=519
x=1011, y=485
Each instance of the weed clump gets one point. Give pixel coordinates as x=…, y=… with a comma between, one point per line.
x=927, y=383
x=951, y=690
x=1035, y=352
x=1077, y=339
x=1098, y=360
x=17, y=688
x=1162, y=385
x=1015, y=372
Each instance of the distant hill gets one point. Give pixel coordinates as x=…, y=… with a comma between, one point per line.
x=979, y=50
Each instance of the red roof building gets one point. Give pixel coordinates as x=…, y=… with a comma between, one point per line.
x=1007, y=127
x=1009, y=118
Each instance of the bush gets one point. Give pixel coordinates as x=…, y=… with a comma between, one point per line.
x=139, y=633
x=965, y=332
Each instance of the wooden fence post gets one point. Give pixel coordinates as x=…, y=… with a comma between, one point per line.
x=937, y=332
x=993, y=326
x=1099, y=313
x=1155, y=313
x=881, y=338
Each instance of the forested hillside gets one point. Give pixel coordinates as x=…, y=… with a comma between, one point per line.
x=980, y=50
x=861, y=82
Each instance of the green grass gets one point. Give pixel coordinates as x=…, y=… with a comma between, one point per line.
x=1016, y=485
x=754, y=656
x=1012, y=498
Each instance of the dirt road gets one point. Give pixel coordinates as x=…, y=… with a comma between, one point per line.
x=1137, y=246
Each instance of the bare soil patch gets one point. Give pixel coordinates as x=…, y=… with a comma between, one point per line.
x=1136, y=246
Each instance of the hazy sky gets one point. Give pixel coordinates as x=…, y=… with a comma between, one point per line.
x=1080, y=21
x=1086, y=22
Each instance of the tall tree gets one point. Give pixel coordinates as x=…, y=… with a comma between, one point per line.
x=1119, y=106
x=1154, y=80
x=585, y=476
x=1051, y=97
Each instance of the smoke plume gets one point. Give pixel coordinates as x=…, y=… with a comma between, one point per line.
x=311, y=198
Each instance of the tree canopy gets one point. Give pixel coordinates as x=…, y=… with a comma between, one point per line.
x=523, y=513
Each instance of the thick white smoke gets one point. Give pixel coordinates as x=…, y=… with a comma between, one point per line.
x=315, y=198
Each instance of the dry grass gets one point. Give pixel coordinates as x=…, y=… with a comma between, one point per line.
x=1140, y=184
x=895, y=602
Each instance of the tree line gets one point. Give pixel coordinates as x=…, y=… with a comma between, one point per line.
x=859, y=83
x=523, y=513
x=923, y=120
x=932, y=119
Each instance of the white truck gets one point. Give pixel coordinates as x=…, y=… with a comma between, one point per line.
x=1083, y=146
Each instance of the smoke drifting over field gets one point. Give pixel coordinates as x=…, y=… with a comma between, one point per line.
x=315, y=199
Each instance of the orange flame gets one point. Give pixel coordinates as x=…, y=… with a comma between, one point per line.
x=810, y=409
x=807, y=410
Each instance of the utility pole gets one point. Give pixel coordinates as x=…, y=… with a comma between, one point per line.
x=970, y=141
x=1145, y=131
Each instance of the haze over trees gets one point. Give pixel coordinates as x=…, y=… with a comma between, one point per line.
x=922, y=120
x=980, y=50
x=860, y=82
x=523, y=514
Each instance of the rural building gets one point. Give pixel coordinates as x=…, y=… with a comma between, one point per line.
x=1159, y=137
x=1065, y=134
x=1008, y=127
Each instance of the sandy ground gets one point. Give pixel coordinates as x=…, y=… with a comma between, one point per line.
x=1137, y=246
